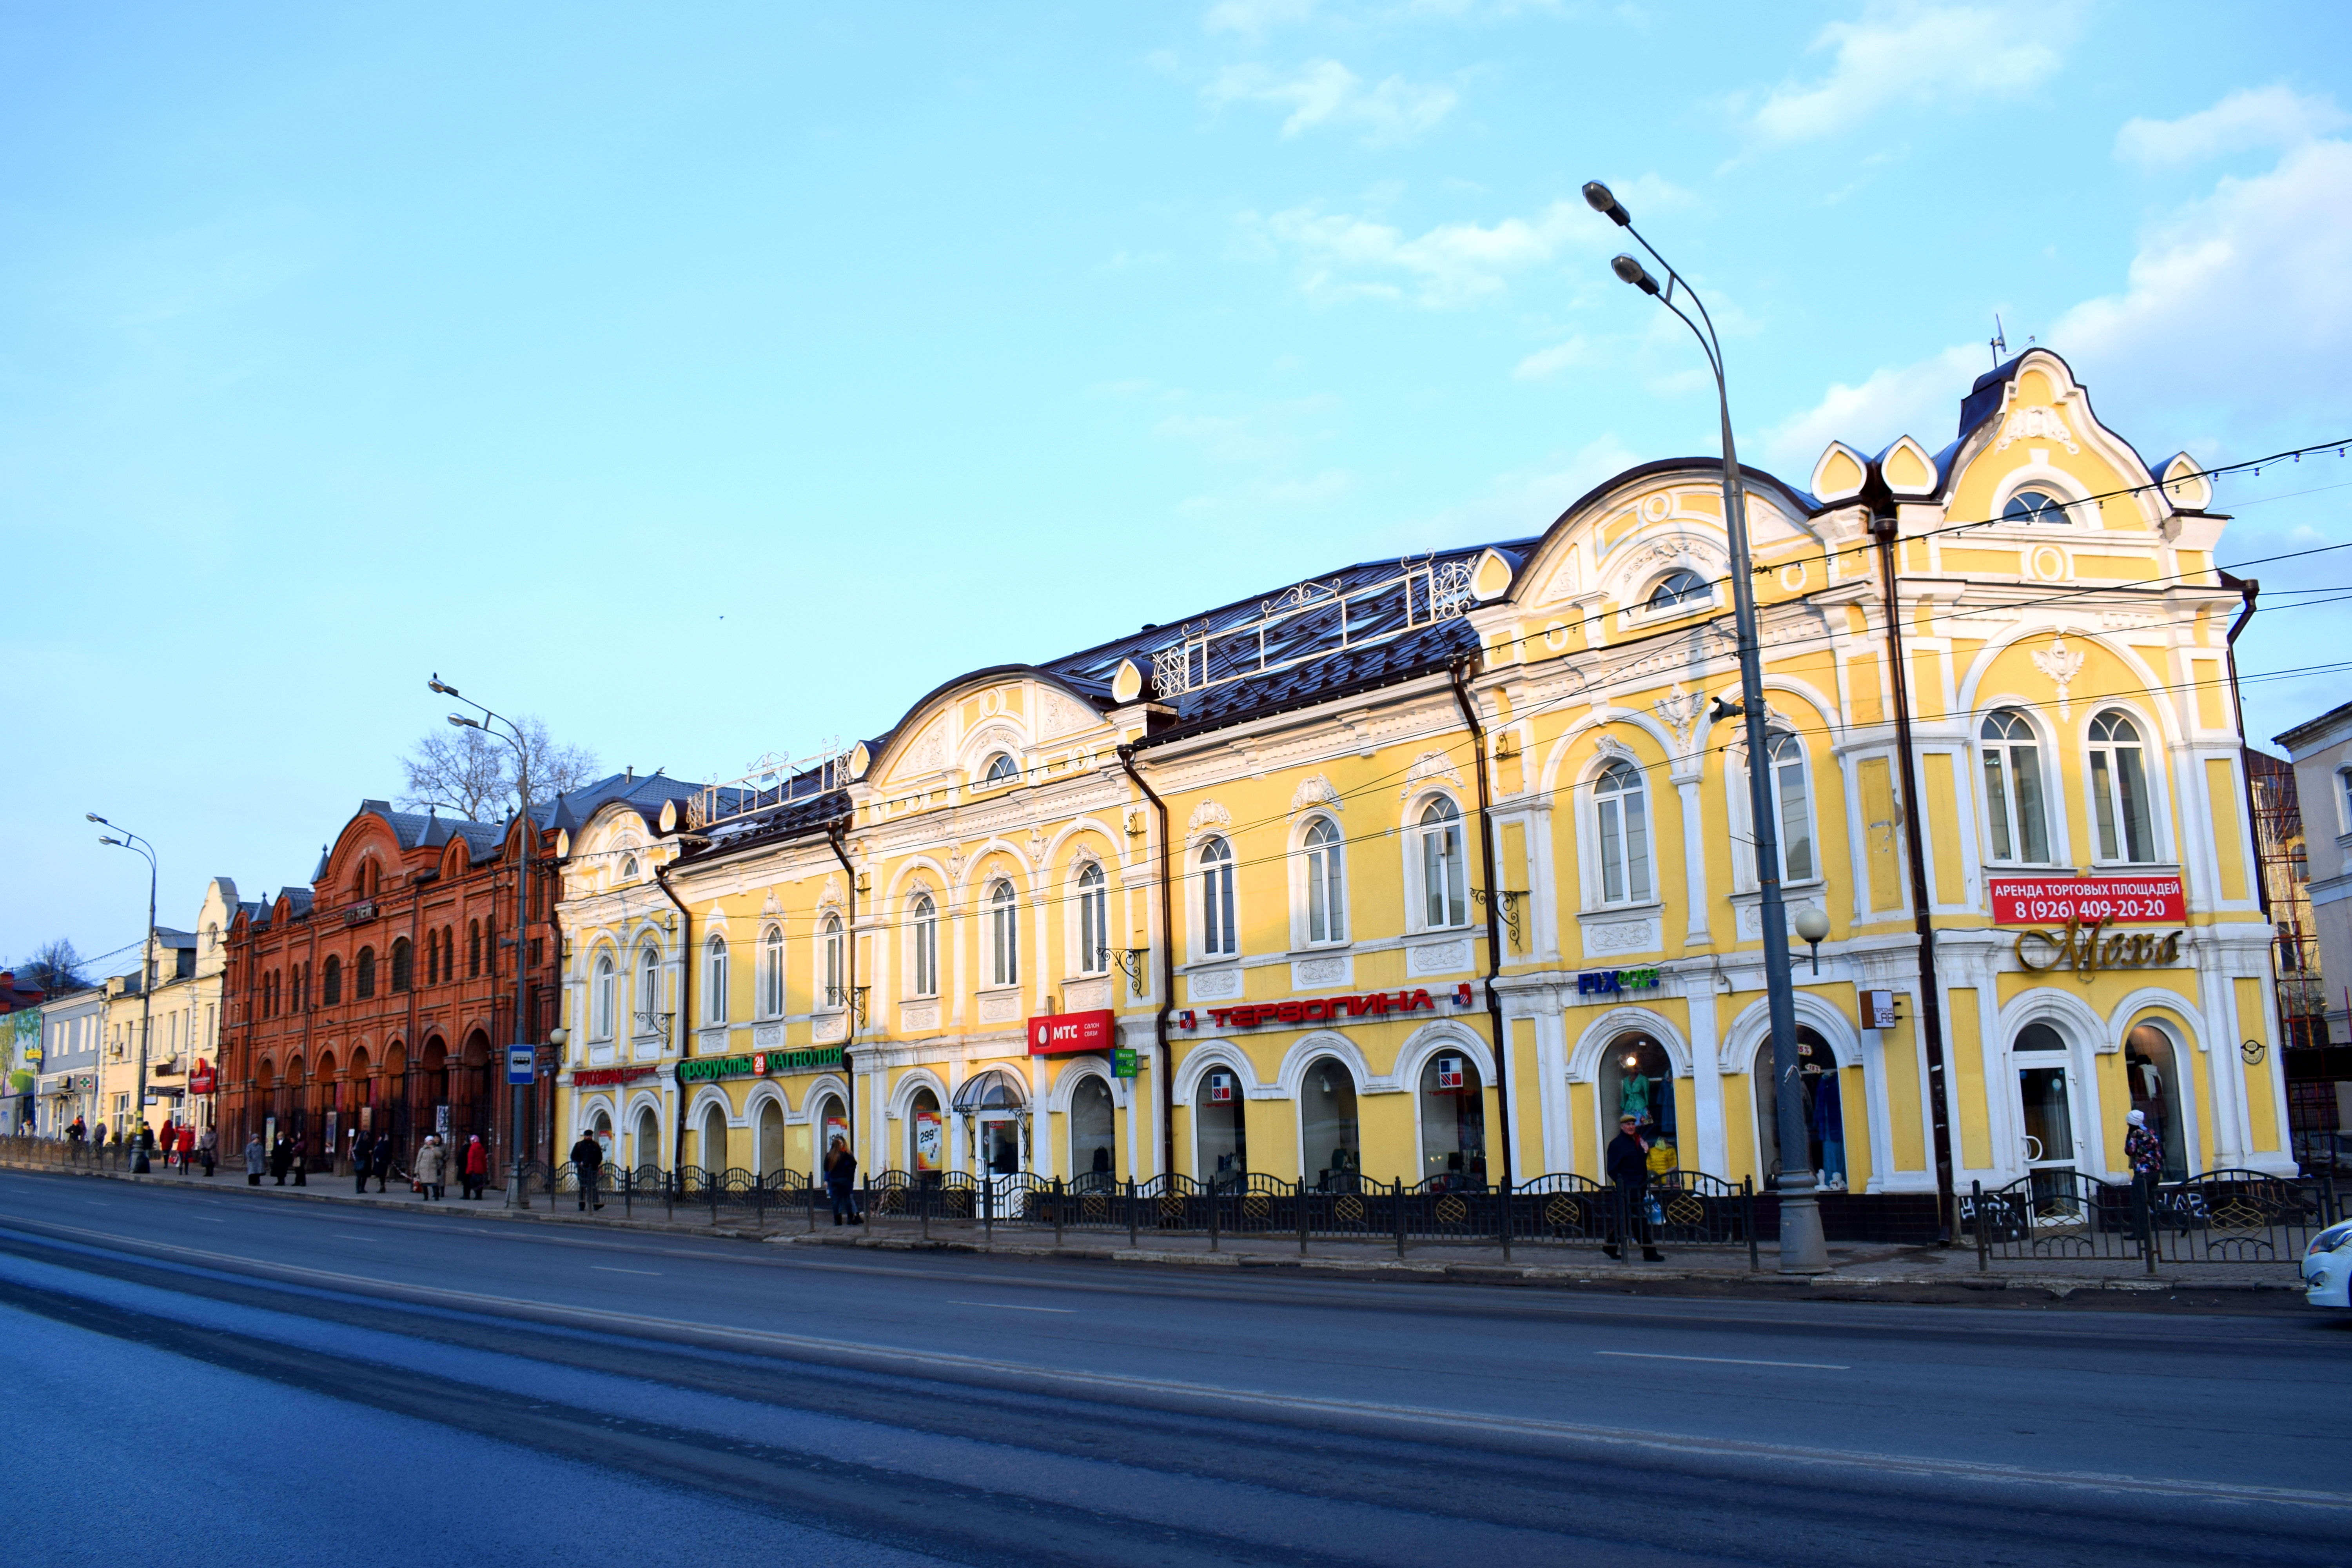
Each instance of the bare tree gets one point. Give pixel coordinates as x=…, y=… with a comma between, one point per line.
x=472, y=775
x=55, y=967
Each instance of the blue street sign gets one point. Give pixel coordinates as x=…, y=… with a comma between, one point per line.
x=519, y=1063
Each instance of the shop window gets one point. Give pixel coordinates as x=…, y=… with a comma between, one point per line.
x=771, y=972
x=1327, y=893
x=2153, y=1074
x=2119, y=803
x=2012, y=781
x=1004, y=935
x=648, y=984
x=2035, y=506
x=923, y=925
x=833, y=955
x=1218, y=937
x=1680, y=588
x=1221, y=1132
x=1452, y=1120
x=1092, y=1162
x=364, y=975
x=832, y=1127
x=714, y=1152
x=648, y=1144
x=600, y=1003
x=1444, y=873
x=1621, y=820
x=1636, y=1079
x=1326, y=1121
x=1825, y=1111
x=714, y=989
x=768, y=1140
x=1094, y=920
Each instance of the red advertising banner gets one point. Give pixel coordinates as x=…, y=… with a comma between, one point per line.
x=1060, y=1034
x=2054, y=901
x=202, y=1079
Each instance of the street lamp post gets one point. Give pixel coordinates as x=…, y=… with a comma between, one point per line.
x=515, y=1091
x=1802, y=1248
x=131, y=841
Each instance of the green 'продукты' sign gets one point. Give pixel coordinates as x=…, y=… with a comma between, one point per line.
x=758, y=1063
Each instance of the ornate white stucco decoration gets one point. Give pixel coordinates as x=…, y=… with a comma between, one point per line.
x=2060, y=666
x=1611, y=746
x=2036, y=424
x=1314, y=790
x=1564, y=581
x=1206, y=816
x=955, y=862
x=930, y=754
x=831, y=894
x=1430, y=766
x=1037, y=847
x=1057, y=715
x=1680, y=709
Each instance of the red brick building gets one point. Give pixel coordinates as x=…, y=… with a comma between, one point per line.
x=380, y=999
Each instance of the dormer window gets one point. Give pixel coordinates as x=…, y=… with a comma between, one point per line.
x=1679, y=587
x=2034, y=506
x=1000, y=770
x=628, y=867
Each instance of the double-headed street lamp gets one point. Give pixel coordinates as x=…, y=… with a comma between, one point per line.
x=123, y=838
x=513, y=736
x=1802, y=1248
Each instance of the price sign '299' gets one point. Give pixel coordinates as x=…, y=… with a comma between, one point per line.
x=2093, y=900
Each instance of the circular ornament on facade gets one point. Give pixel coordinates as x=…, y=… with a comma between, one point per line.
x=1556, y=635
x=2048, y=563
x=2252, y=1051
x=993, y=702
x=1655, y=508
x=1793, y=577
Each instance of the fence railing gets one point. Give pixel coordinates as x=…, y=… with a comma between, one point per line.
x=2220, y=1217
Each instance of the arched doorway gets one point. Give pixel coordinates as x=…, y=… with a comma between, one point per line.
x=927, y=1142
x=2050, y=1139
x=601, y=1127
x=1452, y=1103
x=2152, y=1069
x=646, y=1147
x=1220, y=1132
x=832, y=1124
x=713, y=1149
x=1824, y=1105
x=399, y=1108
x=769, y=1141
x=1094, y=1160
x=1331, y=1143
x=1636, y=1079
x=998, y=1107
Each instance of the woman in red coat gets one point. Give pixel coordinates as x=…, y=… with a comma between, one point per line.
x=476, y=1172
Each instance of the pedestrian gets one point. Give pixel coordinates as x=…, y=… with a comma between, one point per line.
x=208, y=1151
x=362, y=1162
x=840, y=1179
x=381, y=1158
x=1628, y=1169
x=282, y=1158
x=97, y=1146
x=77, y=1132
x=2144, y=1152
x=188, y=1149
x=429, y=1161
x=588, y=1163
x=476, y=1172
x=254, y=1158
x=301, y=1161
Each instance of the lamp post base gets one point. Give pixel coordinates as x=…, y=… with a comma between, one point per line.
x=1803, y=1248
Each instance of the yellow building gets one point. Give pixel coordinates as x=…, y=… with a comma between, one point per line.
x=181, y=1016
x=1307, y=856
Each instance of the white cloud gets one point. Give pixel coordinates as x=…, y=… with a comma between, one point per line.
x=2272, y=116
x=2232, y=325
x=1913, y=54
x=1327, y=93
x=1253, y=18
x=1452, y=264
x=1552, y=360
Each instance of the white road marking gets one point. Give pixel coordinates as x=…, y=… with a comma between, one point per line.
x=1010, y=1307
x=348, y=1235
x=608, y=1268
x=1727, y=1359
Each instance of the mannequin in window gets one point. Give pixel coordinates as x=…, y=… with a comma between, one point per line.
x=1633, y=1096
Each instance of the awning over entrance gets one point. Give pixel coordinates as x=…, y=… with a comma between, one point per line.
x=995, y=1089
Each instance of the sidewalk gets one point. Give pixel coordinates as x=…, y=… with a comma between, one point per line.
x=1858, y=1270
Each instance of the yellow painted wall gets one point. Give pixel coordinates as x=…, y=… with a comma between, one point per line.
x=1581, y=1110
x=2222, y=789
x=1882, y=839
x=1943, y=806
x=1527, y=1152
x=1901, y=1058
x=2262, y=1109
x=1967, y=1065
x=1853, y=1101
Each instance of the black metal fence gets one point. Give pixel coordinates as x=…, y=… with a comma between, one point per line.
x=2220, y=1217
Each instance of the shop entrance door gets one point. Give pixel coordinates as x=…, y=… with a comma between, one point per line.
x=1000, y=1160
x=2050, y=1152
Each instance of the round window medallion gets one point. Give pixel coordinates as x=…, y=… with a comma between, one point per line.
x=2049, y=563
x=1654, y=508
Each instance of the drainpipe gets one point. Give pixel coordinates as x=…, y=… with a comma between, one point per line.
x=1883, y=523
x=832, y=833
x=1166, y=976
x=1459, y=673
x=685, y=1017
x=2248, y=588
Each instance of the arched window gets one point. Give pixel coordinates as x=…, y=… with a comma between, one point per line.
x=2013, y=782
x=1327, y=891
x=364, y=975
x=1679, y=587
x=714, y=989
x=1002, y=770
x=1792, y=806
x=332, y=986
x=1218, y=936
x=404, y=963
x=628, y=867
x=1452, y=1120
x=600, y=999
x=2119, y=789
x=1094, y=920
x=431, y=958
x=1621, y=818
x=2034, y=506
x=1004, y=935
x=835, y=981
x=1445, y=876
x=648, y=982
x=925, y=919
x=771, y=972
x=473, y=950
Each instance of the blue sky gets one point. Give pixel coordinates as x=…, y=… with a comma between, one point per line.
x=712, y=381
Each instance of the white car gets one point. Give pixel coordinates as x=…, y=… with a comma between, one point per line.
x=2328, y=1268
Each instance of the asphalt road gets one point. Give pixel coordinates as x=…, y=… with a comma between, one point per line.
x=211, y=1372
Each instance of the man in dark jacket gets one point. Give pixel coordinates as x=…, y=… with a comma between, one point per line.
x=382, y=1159
x=840, y=1182
x=588, y=1163
x=282, y=1158
x=1628, y=1167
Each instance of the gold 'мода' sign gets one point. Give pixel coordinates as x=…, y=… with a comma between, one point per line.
x=2081, y=948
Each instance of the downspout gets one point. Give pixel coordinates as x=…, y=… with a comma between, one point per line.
x=2248, y=588
x=1883, y=524
x=833, y=834
x=1458, y=672
x=685, y=1019
x=1167, y=1067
